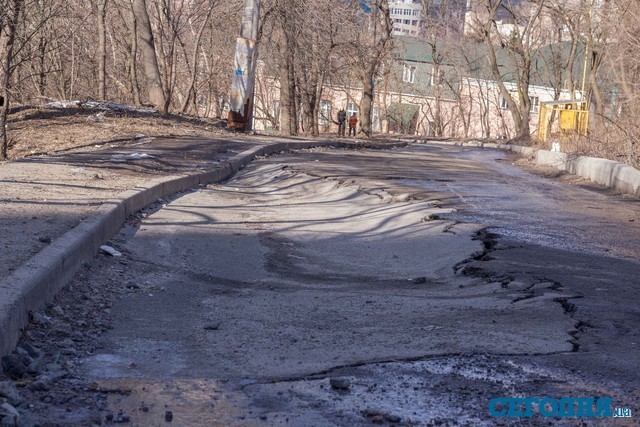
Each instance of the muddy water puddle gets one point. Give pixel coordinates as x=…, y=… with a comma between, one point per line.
x=187, y=402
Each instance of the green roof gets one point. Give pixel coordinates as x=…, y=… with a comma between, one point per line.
x=471, y=58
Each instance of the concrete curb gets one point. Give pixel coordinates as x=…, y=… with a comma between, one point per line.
x=619, y=176
x=39, y=279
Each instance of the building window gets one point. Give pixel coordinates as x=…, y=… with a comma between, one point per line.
x=375, y=120
x=503, y=103
x=325, y=113
x=273, y=118
x=409, y=73
x=439, y=80
x=351, y=108
x=224, y=105
x=535, y=103
x=432, y=129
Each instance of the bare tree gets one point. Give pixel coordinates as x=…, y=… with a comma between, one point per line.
x=9, y=18
x=190, y=93
x=152, y=71
x=102, y=49
x=441, y=33
x=565, y=38
x=284, y=37
x=373, y=46
x=518, y=41
x=616, y=133
x=133, y=55
x=318, y=56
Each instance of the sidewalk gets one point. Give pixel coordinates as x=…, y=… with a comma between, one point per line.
x=57, y=210
x=43, y=197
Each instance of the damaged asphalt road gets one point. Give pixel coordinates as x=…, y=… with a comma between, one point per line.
x=333, y=287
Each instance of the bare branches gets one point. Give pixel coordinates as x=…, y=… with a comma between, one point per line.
x=9, y=19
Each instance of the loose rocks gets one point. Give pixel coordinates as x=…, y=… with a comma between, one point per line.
x=12, y=366
x=340, y=383
x=211, y=326
x=9, y=415
x=9, y=391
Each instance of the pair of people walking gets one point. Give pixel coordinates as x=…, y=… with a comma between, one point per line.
x=342, y=118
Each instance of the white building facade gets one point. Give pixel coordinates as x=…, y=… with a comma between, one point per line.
x=406, y=16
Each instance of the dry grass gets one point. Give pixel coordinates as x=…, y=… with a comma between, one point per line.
x=39, y=130
x=604, y=144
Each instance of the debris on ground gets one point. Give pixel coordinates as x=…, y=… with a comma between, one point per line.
x=110, y=251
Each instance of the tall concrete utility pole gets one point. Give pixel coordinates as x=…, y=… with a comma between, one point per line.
x=244, y=75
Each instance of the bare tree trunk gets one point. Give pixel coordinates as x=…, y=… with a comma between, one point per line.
x=380, y=12
x=366, y=105
x=41, y=74
x=9, y=27
x=102, y=50
x=599, y=103
x=315, y=131
x=309, y=88
x=72, y=78
x=309, y=80
x=288, y=91
x=133, y=55
x=288, y=104
x=150, y=60
x=437, y=92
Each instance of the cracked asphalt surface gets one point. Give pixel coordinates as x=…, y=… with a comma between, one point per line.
x=423, y=281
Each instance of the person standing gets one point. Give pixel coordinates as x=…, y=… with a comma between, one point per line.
x=353, y=121
x=342, y=118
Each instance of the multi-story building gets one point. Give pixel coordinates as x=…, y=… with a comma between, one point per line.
x=476, y=11
x=439, y=83
x=414, y=17
x=411, y=17
x=425, y=95
x=406, y=16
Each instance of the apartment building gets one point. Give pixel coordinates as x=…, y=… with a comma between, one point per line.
x=411, y=17
x=406, y=16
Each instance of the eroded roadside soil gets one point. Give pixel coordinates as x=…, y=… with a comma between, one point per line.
x=341, y=288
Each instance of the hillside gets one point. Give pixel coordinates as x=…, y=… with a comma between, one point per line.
x=67, y=127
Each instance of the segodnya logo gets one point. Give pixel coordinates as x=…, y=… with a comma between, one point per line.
x=547, y=407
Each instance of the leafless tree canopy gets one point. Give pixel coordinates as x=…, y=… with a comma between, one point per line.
x=133, y=51
x=589, y=50
x=177, y=55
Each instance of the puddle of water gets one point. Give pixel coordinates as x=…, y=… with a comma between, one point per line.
x=199, y=402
